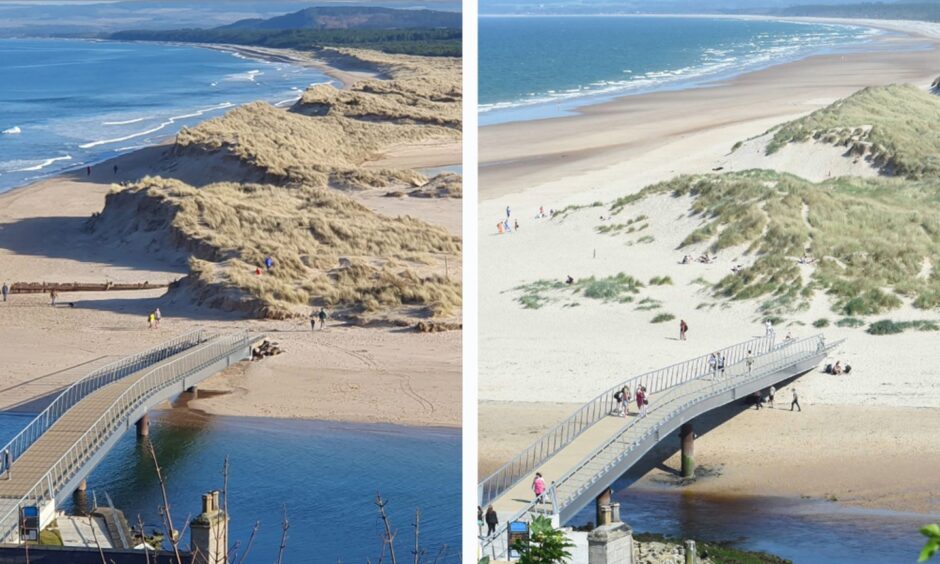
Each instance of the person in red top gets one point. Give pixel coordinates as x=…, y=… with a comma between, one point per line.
x=640, y=399
x=538, y=486
x=683, y=329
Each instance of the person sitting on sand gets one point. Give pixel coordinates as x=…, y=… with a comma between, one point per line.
x=541, y=211
x=506, y=226
x=499, y=227
x=837, y=369
x=569, y=280
x=686, y=259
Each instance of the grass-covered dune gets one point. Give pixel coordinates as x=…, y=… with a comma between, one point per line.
x=289, y=147
x=330, y=133
x=895, y=127
x=328, y=249
x=417, y=92
x=875, y=241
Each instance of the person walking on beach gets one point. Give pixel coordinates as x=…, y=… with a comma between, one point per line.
x=151, y=320
x=87, y=171
x=321, y=315
x=492, y=520
x=6, y=291
x=54, y=295
x=768, y=328
x=7, y=464
x=313, y=321
x=508, y=212
x=683, y=329
x=758, y=400
x=795, y=402
x=506, y=226
x=770, y=396
x=156, y=318
x=538, y=486
x=115, y=170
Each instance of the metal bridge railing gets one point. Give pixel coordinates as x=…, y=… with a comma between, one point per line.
x=92, y=382
x=115, y=419
x=561, y=493
x=596, y=409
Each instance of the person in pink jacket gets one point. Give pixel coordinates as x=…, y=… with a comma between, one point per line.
x=538, y=486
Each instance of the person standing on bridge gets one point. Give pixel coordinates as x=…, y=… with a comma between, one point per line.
x=625, y=400
x=683, y=329
x=721, y=364
x=749, y=360
x=538, y=486
x=8, y=463
x=795, y=402
x=492, y=520
x=713, y=364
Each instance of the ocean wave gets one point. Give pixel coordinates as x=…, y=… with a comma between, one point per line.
x=249, y=76
x=162, y=125
x=15, y=130
x=43, y=164
x=125, y=122
x=719, y=61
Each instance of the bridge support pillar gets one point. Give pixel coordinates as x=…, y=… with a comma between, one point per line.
x=602, y=502
x=687, y=435
x=143, y=426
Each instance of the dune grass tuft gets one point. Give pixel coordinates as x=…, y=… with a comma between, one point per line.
x=889, y=327
x=663, y=317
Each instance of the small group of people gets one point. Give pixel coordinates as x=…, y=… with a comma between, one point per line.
x=623, y=398
x=153, y=319
x=317, y=315
x=506, y=227
x=838, y=368
x=268, y=265
x=758, y=399
x=716, y=362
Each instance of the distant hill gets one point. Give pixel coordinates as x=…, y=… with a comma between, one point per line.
x=412, y=32
x=922, y=11
x=352, y=17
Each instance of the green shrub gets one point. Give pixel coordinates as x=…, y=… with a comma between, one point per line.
x=660, y=281
x=820, y=323
x=663, y=317
x=850, y=322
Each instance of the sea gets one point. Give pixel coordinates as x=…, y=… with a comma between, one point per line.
x=322, y=477
x=547, y=66
x=67, y=104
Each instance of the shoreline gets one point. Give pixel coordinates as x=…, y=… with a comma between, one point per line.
x=514, y=156
x=570, y=107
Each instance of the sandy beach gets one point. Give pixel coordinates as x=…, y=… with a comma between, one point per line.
x=536, y=365
x=343, y=373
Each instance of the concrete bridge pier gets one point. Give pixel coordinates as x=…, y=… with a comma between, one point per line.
x=143, y=426
x=602, y=507
x=687, y=435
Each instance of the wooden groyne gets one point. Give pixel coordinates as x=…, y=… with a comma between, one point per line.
x=46, y=287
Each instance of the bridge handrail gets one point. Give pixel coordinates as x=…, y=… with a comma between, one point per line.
x=809, y=346
x=93, y=381
x=603, y=404
x=552, y=492
x=115, y=418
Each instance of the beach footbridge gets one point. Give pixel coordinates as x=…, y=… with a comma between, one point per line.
x=51, y=458
x=582, y=456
